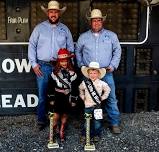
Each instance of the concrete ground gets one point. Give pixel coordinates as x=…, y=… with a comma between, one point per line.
x=140, y=133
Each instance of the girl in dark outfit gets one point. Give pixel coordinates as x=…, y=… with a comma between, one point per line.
x=63, y=75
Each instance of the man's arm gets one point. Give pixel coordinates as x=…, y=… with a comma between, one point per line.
x=32, y=48
x=69, y=42
x=78, y=52
x=32, y=52
x=116, y=53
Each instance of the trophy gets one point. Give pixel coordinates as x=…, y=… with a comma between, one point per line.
x=88, y=146
x=52, y=143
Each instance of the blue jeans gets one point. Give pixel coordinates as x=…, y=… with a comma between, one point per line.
x=95, y=126
x=42, y=83
x=111, y=106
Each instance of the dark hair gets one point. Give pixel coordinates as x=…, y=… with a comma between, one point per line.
x=58, y=67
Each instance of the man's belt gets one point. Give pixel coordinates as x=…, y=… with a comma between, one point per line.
x=47, y=62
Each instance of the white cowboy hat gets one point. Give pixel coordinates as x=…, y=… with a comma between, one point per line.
x=93, y=65
x=53, y=5
x=96, y=13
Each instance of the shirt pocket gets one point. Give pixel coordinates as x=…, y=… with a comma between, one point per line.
x=61, y=39
x=106, y=43
x=43, y=39
x=88, y=47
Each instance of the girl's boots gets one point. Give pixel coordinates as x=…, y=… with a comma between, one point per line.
x=62, y=132
x=56, y=130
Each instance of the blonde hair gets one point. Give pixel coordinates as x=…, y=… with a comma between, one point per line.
x=93, y=70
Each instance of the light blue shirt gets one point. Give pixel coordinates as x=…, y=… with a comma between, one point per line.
x=103, y=48
x=45, y=41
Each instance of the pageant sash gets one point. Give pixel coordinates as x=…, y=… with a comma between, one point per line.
x=98, y=112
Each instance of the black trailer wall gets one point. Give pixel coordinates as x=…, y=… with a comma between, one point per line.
x=137, y=78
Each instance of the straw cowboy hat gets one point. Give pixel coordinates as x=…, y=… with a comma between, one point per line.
x=64, y=54
x=54, y=5
x=93, y=65
x=95, y=13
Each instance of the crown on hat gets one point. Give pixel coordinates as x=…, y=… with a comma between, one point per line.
x=95, y=13
x=54, y=5
x=93, y=65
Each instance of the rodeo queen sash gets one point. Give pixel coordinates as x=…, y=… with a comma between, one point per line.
x=98, y=112
x=73, y=99
x=63, y=82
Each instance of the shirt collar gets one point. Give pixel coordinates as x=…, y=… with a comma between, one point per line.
x=101, y=31
x=96, y=80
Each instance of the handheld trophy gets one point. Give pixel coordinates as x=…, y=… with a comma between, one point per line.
x=52, y=141
x=88, y=146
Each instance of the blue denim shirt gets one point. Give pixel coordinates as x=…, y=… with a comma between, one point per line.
x=45, y=41
x=104, y=49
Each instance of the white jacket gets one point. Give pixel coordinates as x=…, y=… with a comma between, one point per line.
x=102, y=88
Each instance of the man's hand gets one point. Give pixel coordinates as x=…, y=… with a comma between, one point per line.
x=109, y=69
x=37, y=71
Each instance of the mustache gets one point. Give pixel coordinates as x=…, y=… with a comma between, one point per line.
x=53, y=17
x=56, y=21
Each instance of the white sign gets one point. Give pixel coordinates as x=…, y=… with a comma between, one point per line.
x=16, y=63
x=31, y=101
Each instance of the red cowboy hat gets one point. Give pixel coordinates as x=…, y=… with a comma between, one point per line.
x=64, y=54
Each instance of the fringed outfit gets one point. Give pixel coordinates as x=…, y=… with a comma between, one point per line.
x=62, y=91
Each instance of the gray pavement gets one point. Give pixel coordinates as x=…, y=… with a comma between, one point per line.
x=140, y=133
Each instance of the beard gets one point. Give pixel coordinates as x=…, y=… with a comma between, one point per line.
x=54, y=22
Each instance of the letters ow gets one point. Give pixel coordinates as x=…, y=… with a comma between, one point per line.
x=20, y=66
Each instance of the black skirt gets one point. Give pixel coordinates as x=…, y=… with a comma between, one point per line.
x=62, y=105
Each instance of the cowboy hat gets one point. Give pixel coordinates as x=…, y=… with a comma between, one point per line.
x=93, y=65
x=95, y=13
x=64, y=54
x=53, y=5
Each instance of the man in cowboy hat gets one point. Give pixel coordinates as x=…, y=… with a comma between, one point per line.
x=46, y=39
x=102, y=46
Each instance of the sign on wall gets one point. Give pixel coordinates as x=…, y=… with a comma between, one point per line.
x=18, y=92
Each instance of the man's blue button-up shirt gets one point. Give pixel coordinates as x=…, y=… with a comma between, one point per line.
x=103, y=48
x=45, y=41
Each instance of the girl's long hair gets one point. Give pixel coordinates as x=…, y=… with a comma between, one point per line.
x=58, y=67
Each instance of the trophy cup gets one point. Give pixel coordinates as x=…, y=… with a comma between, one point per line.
x=88, y=146
x=52, y=143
